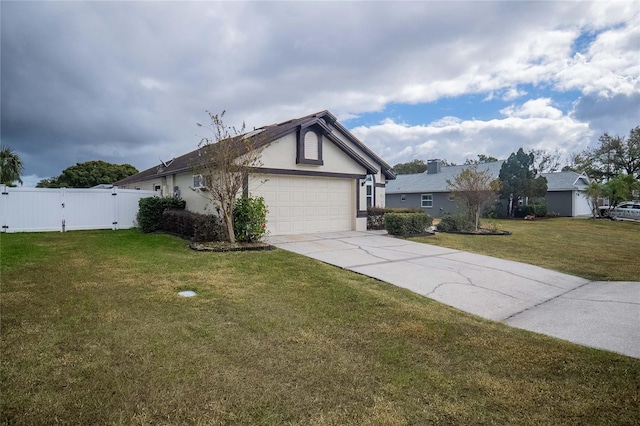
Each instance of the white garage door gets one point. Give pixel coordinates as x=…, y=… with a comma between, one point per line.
x=306, y=204
x=581, y=203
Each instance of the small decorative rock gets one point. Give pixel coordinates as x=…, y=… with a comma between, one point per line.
x=187, y=293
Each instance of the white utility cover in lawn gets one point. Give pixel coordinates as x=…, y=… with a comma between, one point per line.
x=306, y=204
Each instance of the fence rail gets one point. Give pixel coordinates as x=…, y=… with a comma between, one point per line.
x=67, y=209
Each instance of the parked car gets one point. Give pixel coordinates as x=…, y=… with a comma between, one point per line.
x=626, y=210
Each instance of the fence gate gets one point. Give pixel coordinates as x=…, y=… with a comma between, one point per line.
x=64, y=209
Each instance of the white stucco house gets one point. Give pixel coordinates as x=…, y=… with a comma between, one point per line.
x=315, y=176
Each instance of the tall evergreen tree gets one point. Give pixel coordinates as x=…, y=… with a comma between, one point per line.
x=518, y=180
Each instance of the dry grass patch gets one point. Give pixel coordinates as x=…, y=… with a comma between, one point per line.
x=93, y=332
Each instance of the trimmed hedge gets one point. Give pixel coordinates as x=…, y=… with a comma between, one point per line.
x=151, y=209
x=538, y=209
x=195, y=226
x=406, y=224
x=456, y=223
x=375, y=215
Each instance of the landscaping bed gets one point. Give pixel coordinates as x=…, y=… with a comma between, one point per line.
x=223, y=246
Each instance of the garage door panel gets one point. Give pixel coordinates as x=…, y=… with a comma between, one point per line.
x=307, y=204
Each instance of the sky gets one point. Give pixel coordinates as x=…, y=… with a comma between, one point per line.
x=126, y=82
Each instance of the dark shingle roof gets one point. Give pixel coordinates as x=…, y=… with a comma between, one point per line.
x=264, y=136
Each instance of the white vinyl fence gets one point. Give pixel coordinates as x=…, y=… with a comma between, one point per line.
x=64, y=209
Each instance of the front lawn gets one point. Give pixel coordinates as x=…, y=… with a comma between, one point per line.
x=93, y=332
x=602, y=250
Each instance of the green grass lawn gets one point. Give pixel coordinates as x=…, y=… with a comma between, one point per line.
x=597, y=250
x=93, y=332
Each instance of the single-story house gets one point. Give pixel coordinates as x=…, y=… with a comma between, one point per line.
x=430, y=190
x=565, y=194
x=315, y=176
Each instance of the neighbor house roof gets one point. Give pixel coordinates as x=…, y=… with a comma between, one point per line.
x=436, y=182
x=265, y=135
x=566, y=181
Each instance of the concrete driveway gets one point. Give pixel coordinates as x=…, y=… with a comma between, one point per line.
x=603, y=315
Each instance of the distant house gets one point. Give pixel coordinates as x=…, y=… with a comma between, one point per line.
x=430, y=190
x=565, y=194
x=315, y=177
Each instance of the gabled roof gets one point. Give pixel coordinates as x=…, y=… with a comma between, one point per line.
x=566, y=181
x=436, y=182
x=267, y=134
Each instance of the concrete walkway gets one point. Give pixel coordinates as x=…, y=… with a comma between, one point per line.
x=603, y=315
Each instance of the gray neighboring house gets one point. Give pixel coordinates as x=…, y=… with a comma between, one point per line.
x=430, y=190
x=565, y=194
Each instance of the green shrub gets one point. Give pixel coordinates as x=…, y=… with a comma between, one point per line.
x=497, y=211
x=195, y=226
x=456, y=223
x=249, y=219
x=406, y=224
x=540, y=209
x=151, y=209
x=375, y=215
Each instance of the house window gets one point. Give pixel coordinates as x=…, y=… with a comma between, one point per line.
x=156, y=187
x=368, y=182
x=309, y=147
x=198, y=181
x=426, y=200
x=403, y=197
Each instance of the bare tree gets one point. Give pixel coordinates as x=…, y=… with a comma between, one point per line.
x=546, y=161
x=225, y=162
x=476, y=189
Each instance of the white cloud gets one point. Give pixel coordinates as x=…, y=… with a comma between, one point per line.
x=534, y=108
x=513, y=93
x=533, y=125
x=153, y=84
x=70, y=80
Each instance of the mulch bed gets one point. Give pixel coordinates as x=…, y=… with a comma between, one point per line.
x=481, y=231
x=222, y=246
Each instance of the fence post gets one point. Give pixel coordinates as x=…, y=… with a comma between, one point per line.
x=3, y=208
x=114, y=196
